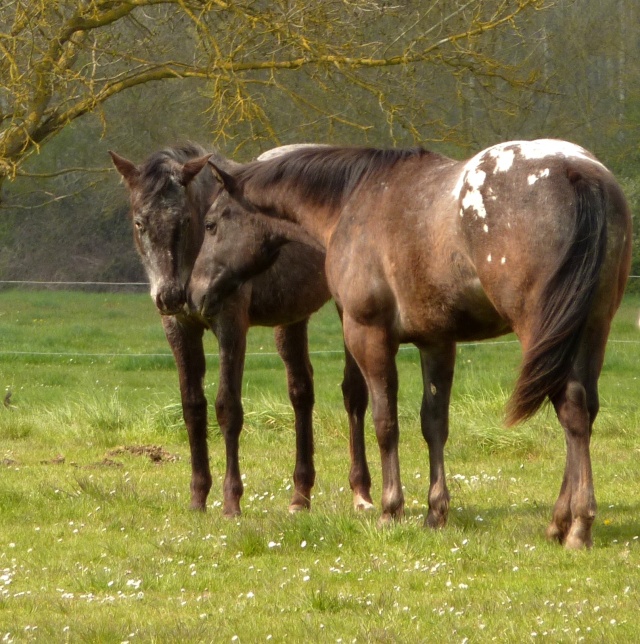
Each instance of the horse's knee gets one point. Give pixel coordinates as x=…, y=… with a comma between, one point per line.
x=229, y=411
x=194, y=410
x=301, y=394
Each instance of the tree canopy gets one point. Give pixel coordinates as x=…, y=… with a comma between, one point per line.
x=63, y=59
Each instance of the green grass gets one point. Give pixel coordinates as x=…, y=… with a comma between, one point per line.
x=97, y=543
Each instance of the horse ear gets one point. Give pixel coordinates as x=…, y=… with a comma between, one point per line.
x=126, y=168
x=191, y=168
x=228, y=181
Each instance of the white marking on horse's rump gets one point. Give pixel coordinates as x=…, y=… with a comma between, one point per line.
x=541, y=174
x=542, y=148
x=503, y=260
x=506, y=155
x=475, y=178
x=504, y=158
x=473, y=181
x=489, y=258
x=485, y=228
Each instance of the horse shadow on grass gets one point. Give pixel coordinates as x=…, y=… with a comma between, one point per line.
x=613, y=526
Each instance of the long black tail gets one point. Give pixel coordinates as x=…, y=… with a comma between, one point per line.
x=567, y=300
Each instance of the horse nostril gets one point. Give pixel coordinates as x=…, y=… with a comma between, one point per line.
x=170, y=300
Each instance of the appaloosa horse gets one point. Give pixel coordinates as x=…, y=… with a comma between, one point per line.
x=170, y=194
x=529, y=236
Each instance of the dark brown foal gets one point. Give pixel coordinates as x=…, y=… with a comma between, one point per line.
x=170, y=194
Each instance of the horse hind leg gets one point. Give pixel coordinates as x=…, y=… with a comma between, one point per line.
x=577, y=407
x=437, y=376
x=293, y=347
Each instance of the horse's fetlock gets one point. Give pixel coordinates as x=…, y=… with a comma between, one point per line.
x=393, y=504
x=360, y=479
x=304, y=477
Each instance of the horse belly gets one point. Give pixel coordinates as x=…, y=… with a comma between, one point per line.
x=453, y=311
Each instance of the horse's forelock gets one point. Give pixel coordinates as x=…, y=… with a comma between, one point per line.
x=159, y=169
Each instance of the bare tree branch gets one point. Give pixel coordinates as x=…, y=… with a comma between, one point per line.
x=62, y=59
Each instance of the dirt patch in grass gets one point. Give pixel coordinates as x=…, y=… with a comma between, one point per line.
x=155, y=452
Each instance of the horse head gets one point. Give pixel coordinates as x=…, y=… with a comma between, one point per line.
x=239, y=243
x=166, y=212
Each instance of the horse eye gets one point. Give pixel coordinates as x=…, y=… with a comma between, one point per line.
x=139, y=225
x=210, y=227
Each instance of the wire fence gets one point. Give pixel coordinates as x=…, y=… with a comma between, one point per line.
x=75, y=285
x=40, y=283
x=261, y=354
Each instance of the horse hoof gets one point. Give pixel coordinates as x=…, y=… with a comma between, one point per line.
x=576, y=543
x=385, y=520
x=435, y=520
x=362, y=504
x=299, y=503
x=231, y=512
x=580, y=535
x=554, y=533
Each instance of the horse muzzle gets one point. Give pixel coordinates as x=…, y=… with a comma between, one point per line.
x=208, y=301
x=170, y=300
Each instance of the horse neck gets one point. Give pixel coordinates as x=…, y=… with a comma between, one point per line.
x=286, y=202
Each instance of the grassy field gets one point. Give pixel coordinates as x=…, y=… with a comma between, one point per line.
x=97, y=543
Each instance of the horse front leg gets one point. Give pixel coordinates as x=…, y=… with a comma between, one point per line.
x=231, y=332
x=356, y=399
x=293, y=346
x=437, y=376
x=185, y=339
x=374, y=349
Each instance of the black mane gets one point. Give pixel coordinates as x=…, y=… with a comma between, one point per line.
x=325, y=175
